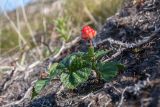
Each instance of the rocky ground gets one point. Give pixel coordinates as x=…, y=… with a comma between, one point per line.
x=133, y=35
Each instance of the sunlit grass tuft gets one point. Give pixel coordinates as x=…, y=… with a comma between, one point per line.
x=91, y=11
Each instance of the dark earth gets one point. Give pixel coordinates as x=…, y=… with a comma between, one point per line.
x=133, y=36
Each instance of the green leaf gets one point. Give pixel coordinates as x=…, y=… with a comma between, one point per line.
x=108, y=70
x=75, y=70
x=40, y=84
x=74, y=61
x=72, y=79
x=100, y=54
x=52, y=70
x=67, y=61
x=68, y=80
x=120, y=66
x=34, y=93
x=82, y=75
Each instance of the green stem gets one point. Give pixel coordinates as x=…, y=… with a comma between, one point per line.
x=93, y=60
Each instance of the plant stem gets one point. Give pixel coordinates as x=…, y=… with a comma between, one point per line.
x=91, y=44
x=93, y=62
x=98, y=76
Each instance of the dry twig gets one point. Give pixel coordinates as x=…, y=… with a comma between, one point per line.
x=133, y=45
x=26, y=96
x=64, y=47
x=122, y=97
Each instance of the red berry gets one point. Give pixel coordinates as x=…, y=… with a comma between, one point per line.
x=88, y=33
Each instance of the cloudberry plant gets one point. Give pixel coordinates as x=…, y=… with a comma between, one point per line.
x=76, y=68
